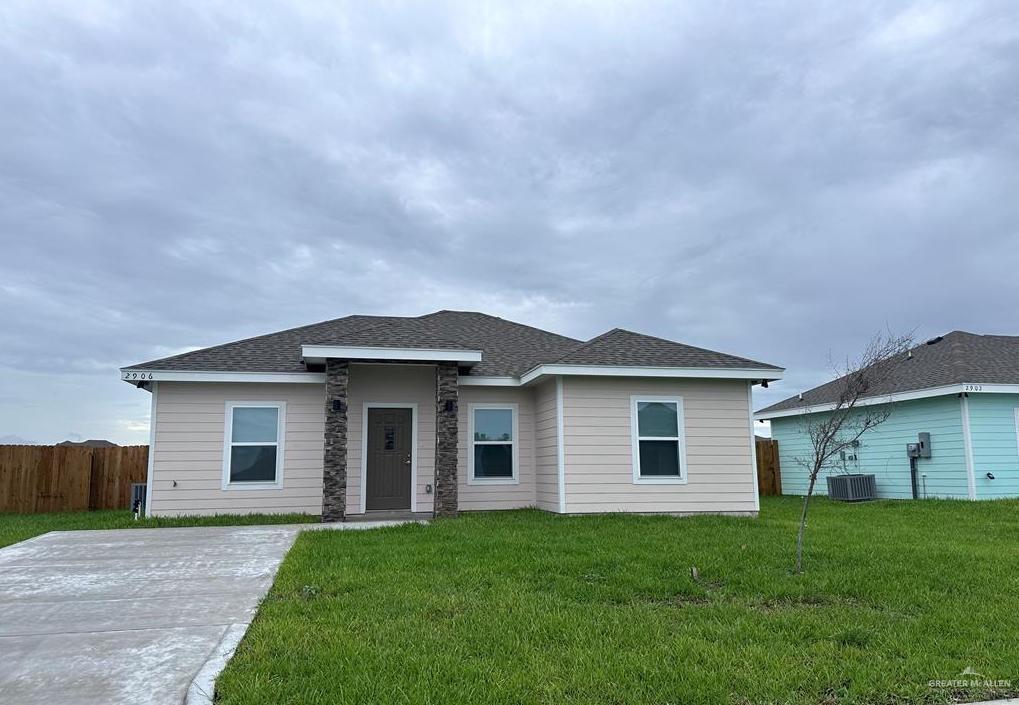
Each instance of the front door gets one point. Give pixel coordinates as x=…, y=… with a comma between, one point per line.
x=389, y=459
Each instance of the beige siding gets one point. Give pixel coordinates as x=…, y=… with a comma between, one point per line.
x=598, y=447
x=410, y=384
x=497, y=496
x=546, y=449
x=190, y=425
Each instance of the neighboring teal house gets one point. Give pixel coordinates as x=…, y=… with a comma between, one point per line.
x=961, y=388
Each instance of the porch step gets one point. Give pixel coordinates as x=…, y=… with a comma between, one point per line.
x=389, y=515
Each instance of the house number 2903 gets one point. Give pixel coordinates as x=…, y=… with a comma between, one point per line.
x=137, y=375
x=972, y=387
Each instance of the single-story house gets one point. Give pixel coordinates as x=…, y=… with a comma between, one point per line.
x=446, y=412
x=961, y=388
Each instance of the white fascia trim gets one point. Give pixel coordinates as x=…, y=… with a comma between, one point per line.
x=488, y=381
x=899, y=396
x=318, y=353
x=137, y=376
x=619, y=371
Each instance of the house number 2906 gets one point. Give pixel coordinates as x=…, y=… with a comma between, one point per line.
x=137, y=375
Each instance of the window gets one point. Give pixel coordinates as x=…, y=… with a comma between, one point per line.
x=658, y=446
x=493, y=454
x=253, y=447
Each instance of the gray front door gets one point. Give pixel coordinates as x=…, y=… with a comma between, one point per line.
x=389, y=459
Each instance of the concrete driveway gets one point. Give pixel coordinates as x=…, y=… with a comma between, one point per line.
x=129, y=616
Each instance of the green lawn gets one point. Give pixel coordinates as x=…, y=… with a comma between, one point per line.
x=18, y=527
x=527, y=607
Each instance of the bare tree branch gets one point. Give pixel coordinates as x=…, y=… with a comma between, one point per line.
x=858, y=407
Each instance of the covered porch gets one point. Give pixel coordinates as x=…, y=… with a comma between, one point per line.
x=390, y=444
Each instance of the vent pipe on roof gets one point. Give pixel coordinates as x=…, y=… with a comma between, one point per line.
x=801, y=396
x=909, y=355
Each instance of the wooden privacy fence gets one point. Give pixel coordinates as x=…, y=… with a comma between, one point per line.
x=769, y=474
x=69, y=478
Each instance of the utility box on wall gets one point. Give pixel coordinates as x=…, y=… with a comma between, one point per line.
x=924, y=441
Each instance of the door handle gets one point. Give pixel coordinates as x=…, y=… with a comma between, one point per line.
x=407, y=461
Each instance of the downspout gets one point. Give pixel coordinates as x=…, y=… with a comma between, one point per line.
x=967, y=442
x=152, y=452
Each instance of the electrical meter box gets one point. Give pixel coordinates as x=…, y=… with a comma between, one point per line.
x=924, y=441
x=913, y=450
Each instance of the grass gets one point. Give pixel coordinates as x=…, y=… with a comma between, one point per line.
x=527, y=607
x=18, y=527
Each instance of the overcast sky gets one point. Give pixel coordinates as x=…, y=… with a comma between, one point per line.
x=776, y=180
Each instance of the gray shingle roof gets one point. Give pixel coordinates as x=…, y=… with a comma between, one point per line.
x=508, y=348
x=626, y=348
x=955, y=358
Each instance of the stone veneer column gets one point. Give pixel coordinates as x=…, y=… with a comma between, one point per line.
x=334, y=462
x=446, y=431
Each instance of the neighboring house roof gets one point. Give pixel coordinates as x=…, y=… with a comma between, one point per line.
x=956, y=358
x=508, y=349
x=90, y=443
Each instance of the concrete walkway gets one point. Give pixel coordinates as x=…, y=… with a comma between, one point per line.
x=131, y=615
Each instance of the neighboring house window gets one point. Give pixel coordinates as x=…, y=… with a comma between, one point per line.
x=253, y=448
x=492, y=429
x=658, y=444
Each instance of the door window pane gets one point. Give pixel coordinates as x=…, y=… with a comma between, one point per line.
x=253, y=464
x=657, y=418
x=493, y=424
x=659, y=458
x=255, y=424
x=493, y=460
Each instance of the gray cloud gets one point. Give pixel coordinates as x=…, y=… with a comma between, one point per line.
x=778, y=180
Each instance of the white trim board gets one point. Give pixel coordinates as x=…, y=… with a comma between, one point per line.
x=560, y=446
x=666, y=372
x=318, y=353
x=150, y=472
x=753, y=446
x=967, y=441
x=967, y=388
x=139, y=376
x=470, y=381
x=363, y=499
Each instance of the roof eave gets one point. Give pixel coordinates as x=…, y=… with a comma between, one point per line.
x=944, y=390
x=754, y=374
x=137, y=376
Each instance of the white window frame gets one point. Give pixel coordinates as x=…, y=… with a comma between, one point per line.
x=281, y=434
x=636, y=438
x=514, y=443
